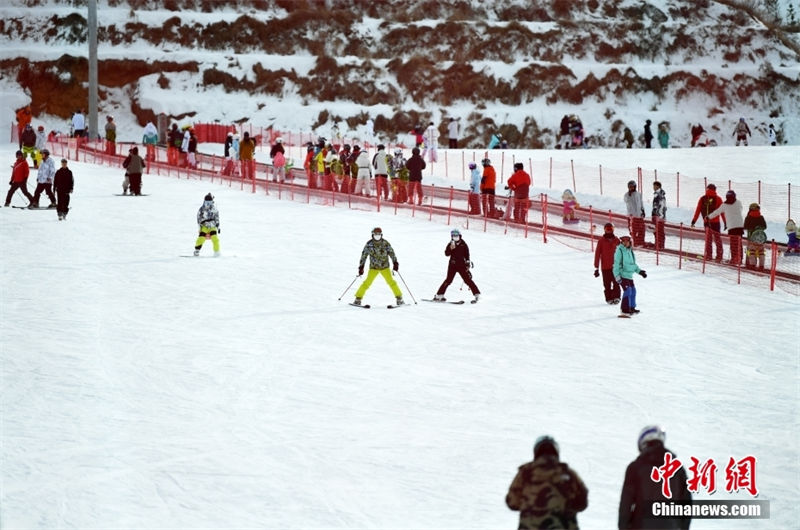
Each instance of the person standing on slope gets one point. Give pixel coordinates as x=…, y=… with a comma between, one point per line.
x=635, y=210
x=460, y=264
x=63, y=184
x=604, y=260
x=379, y=251
x=624, y=268
x=208, y=225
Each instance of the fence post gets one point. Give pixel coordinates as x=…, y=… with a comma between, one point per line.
x=572, y=168
x=601, y=179
x=551, y=173
x=450, y=206
x=543, y=199
x=678, y=188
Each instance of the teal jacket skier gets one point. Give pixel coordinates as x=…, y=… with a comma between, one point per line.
x=624, y=268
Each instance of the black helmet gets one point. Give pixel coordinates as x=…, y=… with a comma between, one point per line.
x=381, y=147
x=209, y=197
x=545, y=445
x=45, y=152
x=346, y=147
x=519, y=166
x=486, y=162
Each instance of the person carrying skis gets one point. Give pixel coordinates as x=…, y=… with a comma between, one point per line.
x=379, y=252
x=624, y=268
x=208, y=225
x=63, y=184
x=604, y=259
x=459, y=263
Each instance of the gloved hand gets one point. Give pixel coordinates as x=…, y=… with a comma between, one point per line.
x=618, y=280
x=396, y=266
x=692, y=225
x=470, y=264
x=725, y=227
x=596, y=273
x=360, y=270
x=452, y=245
x=643, y=274
x=505, y=188
x=219, y=230
x=642, y=212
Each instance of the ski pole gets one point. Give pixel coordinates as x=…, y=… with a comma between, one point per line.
x=348, y=287
x=406, y=285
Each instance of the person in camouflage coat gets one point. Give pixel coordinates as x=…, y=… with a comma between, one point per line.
x=379, y=251
x=546, y=492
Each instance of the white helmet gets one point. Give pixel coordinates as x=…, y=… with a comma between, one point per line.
x=651, y=433
x=278, y=140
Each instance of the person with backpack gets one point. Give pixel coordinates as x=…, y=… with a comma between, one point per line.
x=380, y=163
x=624, y=268
x=741, y=132
x=731, y=212
x=604, y=260
x=707, y=204
x=399, y=176
x=546, y=492
x=640, y=491
x=459, y=263
x=415, y=165
x=756, y=227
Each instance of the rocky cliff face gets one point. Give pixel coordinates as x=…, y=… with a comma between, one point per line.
x=513, y=68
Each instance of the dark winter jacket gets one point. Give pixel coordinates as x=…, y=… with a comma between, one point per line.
x=604, y=253
x=228, y=144
x=706, y=205
x=648, y=134
x=133, y=164
x=564, y=125
x=275, y=149
x=63, y=182
x=459, y=256
x=415, y=165
x=547, y=494
x=659, y=204
x=520, y=184
x=28, y=138
x=192, y=144
x=754, y=221
x=175, y=138
x=639, y=491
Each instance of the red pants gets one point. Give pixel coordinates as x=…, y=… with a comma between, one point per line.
x=382, y=186
x=414, y=186
x=474, y=203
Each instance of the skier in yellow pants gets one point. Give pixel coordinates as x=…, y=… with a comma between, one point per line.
x=379, y=252
x=208, y=225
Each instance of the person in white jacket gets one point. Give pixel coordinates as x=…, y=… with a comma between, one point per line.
x=380, y=163
x=363, y=175
x=44, y=180
x=731, y=210
x=431, y=142
x=635, y=210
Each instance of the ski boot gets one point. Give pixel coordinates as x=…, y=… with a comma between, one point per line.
x=217, y=254
x=400, y=301
x=439, y=298
x=197, y=252
x=52, y=205
x=357, y=301
x=477, y=297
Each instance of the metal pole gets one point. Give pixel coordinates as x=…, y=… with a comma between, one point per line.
x=348, y=287
x=406, y=286
x=92, y=27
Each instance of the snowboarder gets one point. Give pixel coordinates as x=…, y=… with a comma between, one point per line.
x=379, y=252
x=63, y=184
x=44, y=180
x=624, y=268
x=134, y=166
x=208, y=225
x=635, y=210
x=546, y=492
x=639, y=491
x=604, y=260
x=459, y=263
x=19, y=179
x=741, y=132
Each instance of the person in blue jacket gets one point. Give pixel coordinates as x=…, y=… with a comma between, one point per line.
x=624, y=268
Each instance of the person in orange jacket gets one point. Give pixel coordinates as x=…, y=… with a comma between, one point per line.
x=19, y=179
x=488, y=181
x=24, y=117
x=604, y=260
x=520, y=184
x=706, y=204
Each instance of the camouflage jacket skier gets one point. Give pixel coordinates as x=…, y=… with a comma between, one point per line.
x=548, y=494
x=208, y=215
x=379, y=253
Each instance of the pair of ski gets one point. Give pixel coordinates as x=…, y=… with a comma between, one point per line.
x=459, y=302
x=367, y=306
x=34, y=208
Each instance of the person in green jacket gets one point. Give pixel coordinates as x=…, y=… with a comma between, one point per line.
x=624, y=268
x=379, y=252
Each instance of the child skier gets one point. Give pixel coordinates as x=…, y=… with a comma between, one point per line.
x=570, y=204
x=793, y=245
x=756, y=227
x=474, y=197
x=624, y=268
x=459, y=263
x=208, y=225
x=379, y=252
